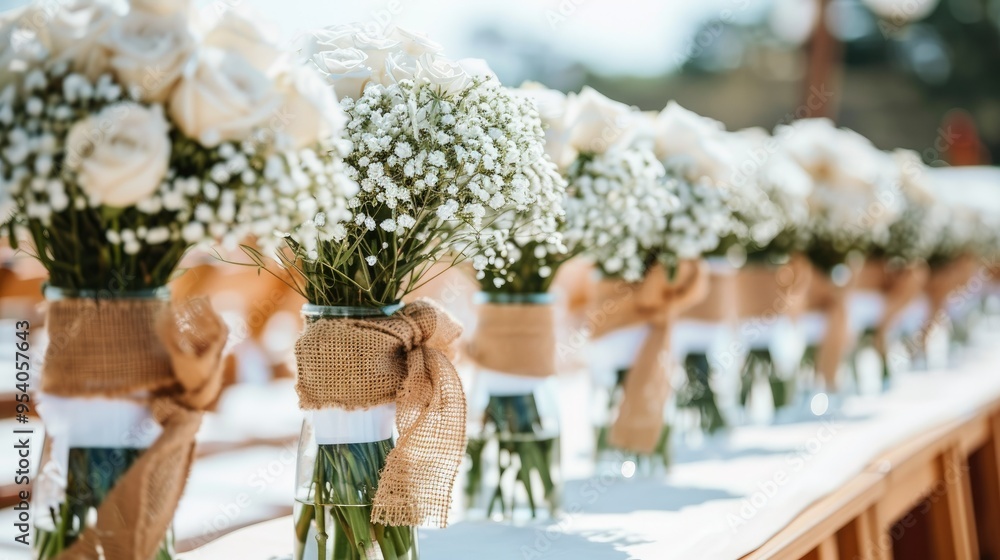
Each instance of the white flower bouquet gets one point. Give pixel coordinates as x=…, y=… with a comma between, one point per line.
x=619, y=199
x=113, y=175
x=129, y=134
x=856, y=189
x=916, y=232
x=450, y=166
x=773, y=219
x=715, y=214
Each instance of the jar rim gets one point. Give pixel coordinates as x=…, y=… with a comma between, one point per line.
x=56, y=293
x=315, y=311
x=532, y=298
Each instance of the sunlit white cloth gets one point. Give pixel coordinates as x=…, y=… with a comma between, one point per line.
x=719, y=501
x=864, y=310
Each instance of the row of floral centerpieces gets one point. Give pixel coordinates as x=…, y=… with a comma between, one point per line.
x=349, y=168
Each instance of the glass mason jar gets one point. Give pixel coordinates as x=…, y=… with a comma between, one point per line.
x=512, y=461
x=341, y=455
x=610, y=358
x=90, y=443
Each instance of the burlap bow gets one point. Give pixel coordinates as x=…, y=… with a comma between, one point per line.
x=769, y=291
x=942, y=282
x=118, y=348
x=831, y=299
x=515, y=338
x=657, y=302
x=357, y=363
x=900, y=286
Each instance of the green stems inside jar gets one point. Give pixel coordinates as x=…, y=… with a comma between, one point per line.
x=92, y=473
x=333, y=520
x=524, y=479
x=645, y=463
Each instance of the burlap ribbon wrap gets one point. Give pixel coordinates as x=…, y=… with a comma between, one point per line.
x=831, y=299
x=899, y=286
x=721, y=303
x=657, y=302
x=357, y=363
x=769, y=291
x=517, y=338
x=943, y=282
x=126, y=348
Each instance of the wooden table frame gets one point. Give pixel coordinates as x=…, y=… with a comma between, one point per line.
x=944, y=485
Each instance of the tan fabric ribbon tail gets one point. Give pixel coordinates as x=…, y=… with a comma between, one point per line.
x=117, y=348
x=901, y=286
x=655, y=301
x=357, y=363
x=516, y=338
x=769, y=291
x=942, y=282
x=832, y=300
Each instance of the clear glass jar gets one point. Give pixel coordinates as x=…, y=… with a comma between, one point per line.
x=90, y=443
x=609, y=359
x=340, y=458
x=512, y=468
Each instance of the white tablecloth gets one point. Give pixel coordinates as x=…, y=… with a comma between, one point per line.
x=721, y=500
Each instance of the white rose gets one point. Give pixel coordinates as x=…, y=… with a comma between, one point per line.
x=346, y=70
x=414, y=44
x=149, y=52
x=595, y=122
x=449, y=76
x=551, y=105
x=246, y=34
x=21, y=35
x=120, y=155
x=915, y=176
x=477, y=68
x=310, y=108
x=699, y=141
x=73, y=34
x=377, y=48
x=162, y=7
x=399, y=66
x=327, y=39
x=223, y=97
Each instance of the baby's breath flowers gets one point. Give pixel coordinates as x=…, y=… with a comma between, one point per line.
x=108, y=186
x=450, y=166
x=856, y=193
x=618, y=209
x=776, y=218
x=617, y=201
x=916, y=232
x=703, y=218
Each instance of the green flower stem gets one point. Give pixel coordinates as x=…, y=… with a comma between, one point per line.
x=698, y=393
x=337, y=512
x=526, y=456
x=92, y=473
x=759, y=364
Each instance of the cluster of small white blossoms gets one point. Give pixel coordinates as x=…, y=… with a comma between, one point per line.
x=56, y=124
x=617, y=210
x=702, y=218
x=432, y=164
x=770, y=194
x=965, y=231
x=856, y=194
x=915, y=233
